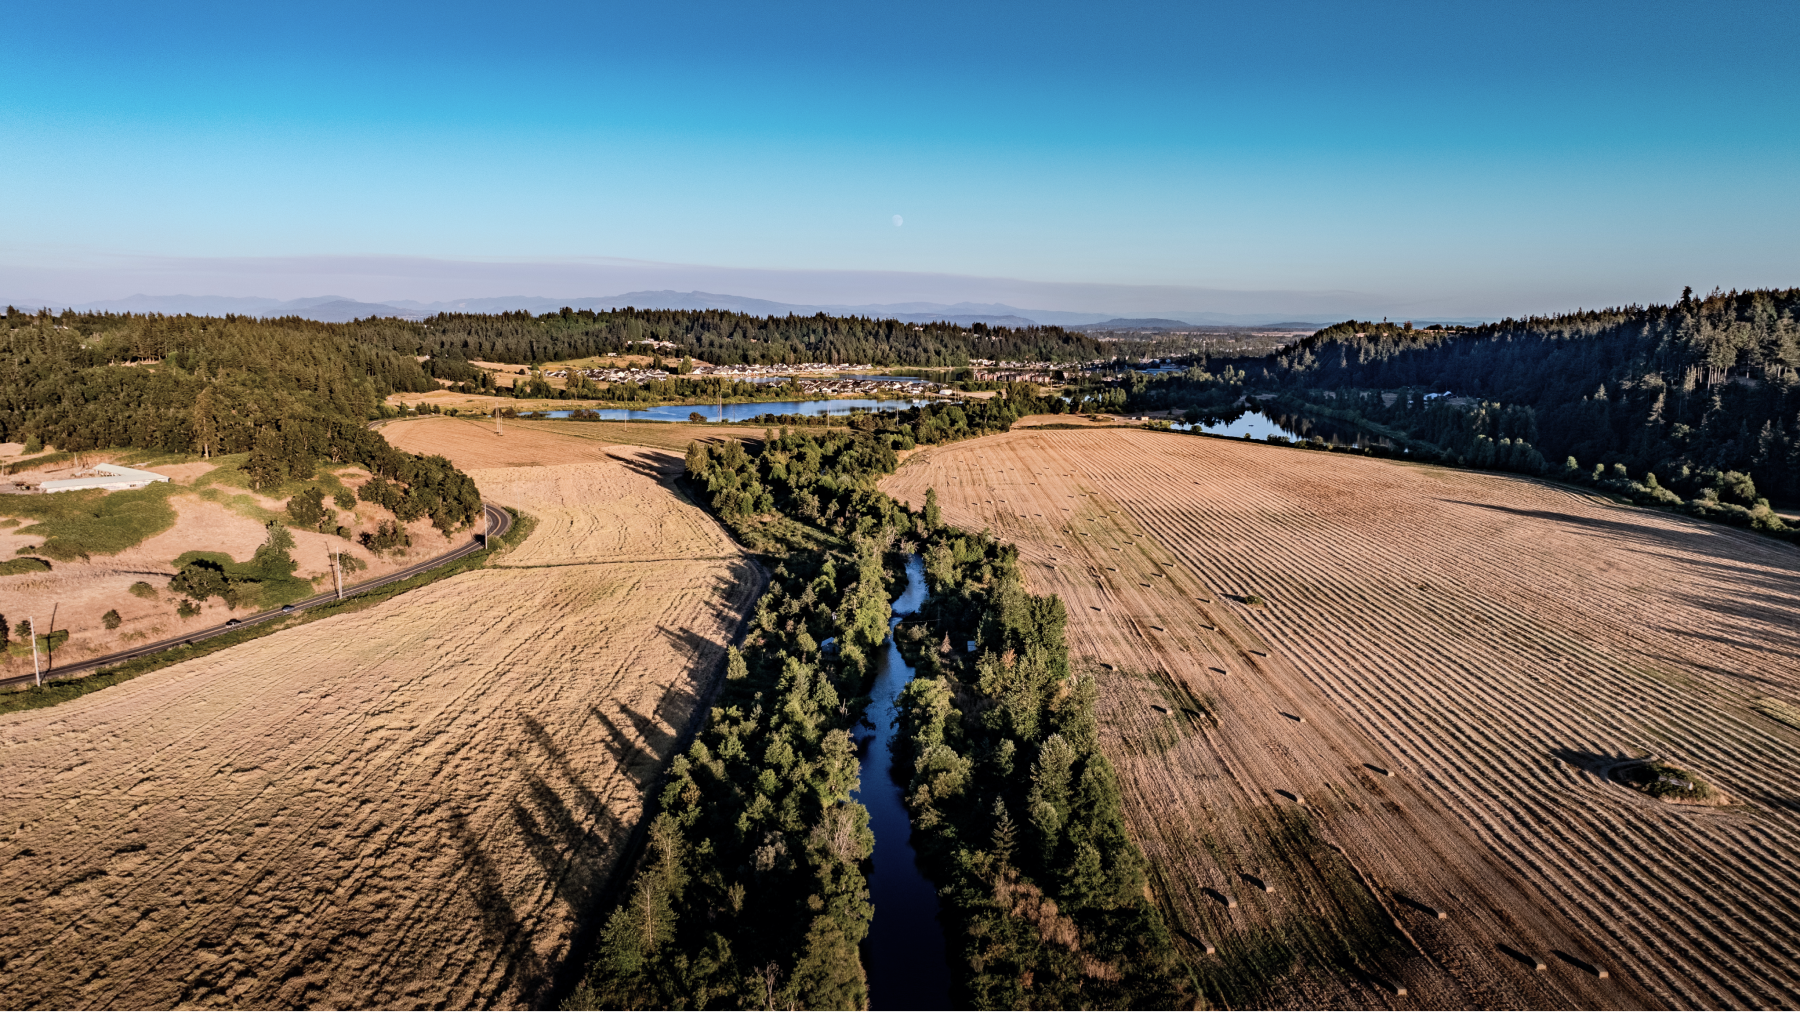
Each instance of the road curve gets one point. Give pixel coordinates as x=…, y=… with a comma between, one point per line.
x=499, y=521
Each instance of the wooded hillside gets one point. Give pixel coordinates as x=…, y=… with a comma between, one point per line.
x=719, y=337
x=1705, y=384
x=289, y=392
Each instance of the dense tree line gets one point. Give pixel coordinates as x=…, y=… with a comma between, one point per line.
x=1698, y=388
x=716, y=336
x=289, y=393
x=753, y=893
x=1018, y=813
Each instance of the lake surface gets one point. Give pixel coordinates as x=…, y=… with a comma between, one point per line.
x=744, y=412
x=1257, y=425
x=1254, y=424
x=908, y=963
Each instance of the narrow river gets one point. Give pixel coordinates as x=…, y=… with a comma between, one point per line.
x=908, y=965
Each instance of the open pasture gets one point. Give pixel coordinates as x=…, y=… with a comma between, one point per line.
x=1503, y=648
x=414, y=804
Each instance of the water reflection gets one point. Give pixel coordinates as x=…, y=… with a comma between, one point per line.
x=905, y=954
x=1257, y=425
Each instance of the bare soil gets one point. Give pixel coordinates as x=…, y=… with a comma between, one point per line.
x=413, y=805
x=1496, y=644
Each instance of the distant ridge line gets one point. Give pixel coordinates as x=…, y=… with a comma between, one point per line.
x=342, y=309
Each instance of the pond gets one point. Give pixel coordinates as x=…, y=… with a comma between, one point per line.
x=744, y=412
x=906, y=957
x=1258, y=425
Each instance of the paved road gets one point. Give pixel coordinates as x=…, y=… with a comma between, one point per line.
x=498, y=522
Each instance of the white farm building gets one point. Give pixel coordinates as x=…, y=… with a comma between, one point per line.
x=111, y=477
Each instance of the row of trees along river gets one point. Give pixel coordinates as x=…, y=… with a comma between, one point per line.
x=753, y=889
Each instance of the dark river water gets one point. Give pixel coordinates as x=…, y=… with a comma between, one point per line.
x=905, y=955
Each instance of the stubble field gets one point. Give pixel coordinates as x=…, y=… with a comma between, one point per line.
x=411, y=805
x=471, y=443
x=1499, y=645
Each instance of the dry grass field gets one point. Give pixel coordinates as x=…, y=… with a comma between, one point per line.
x=412, y=805
x=1499, y=645
x=471, y=443
x=204, y=514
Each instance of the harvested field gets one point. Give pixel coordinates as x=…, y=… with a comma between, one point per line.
x=415, y=804
x=471, y=443
x=1497, y=645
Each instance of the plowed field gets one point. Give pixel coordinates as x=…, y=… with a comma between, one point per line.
x=411, y=805
x=1497, y=644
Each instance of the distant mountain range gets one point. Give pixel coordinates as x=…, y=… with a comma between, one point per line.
x=338, y=309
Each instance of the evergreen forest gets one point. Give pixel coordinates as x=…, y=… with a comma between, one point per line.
x=289, y=394
x=1700, y=399
x=716, y=336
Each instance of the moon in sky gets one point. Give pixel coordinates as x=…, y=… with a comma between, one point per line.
x=899, y=221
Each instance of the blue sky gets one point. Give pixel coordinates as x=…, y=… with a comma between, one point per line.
x=1456, y=159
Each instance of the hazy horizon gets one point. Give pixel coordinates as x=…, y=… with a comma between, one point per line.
x=1399, y=159
x=97, y=281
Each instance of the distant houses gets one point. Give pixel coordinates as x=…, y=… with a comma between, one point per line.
x=111, y=477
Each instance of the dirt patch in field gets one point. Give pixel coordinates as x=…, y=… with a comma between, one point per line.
x=412, y=805
x=1494, y=644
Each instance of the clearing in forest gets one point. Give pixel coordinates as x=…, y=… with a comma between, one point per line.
x=414, y=804
x=1276, y=631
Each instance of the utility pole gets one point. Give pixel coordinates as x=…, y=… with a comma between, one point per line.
x=497, y=418
x=36, y=671
x=49, y=638
x=336, y=580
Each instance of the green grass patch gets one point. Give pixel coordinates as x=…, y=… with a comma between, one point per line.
x=1779, y=710
x=19, y=567
x=270, y=593
x=1177, y=711
x=40, y=460
x=35, y=697
x=75, y=524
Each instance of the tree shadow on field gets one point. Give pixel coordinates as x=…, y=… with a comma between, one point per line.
x=596, y=807
x=662, y=467
x=503, y=932
x=1699, y=537
x=638, y=762
x=573, y=858
x=569, y=855
x=1589, y=762
x=661, y=744
x=696, y=649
